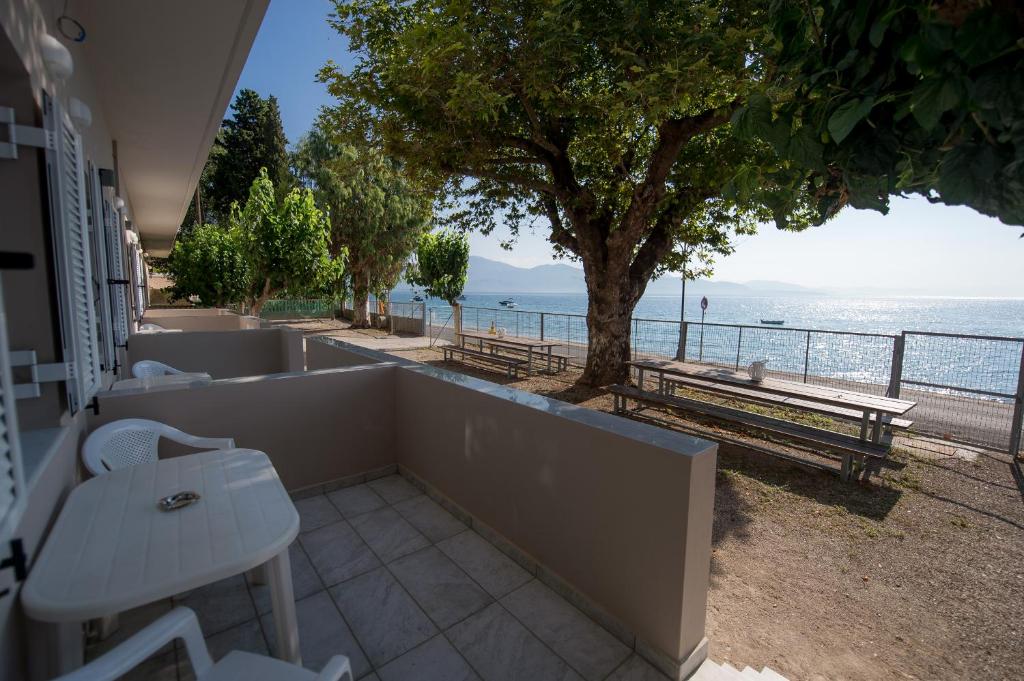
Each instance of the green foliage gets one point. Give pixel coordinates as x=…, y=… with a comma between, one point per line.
x=208, y=263
x=285, y=244
x=610, y=121
x=442, y=263
x=253, y=138
x=899, y=97
x=376, y=214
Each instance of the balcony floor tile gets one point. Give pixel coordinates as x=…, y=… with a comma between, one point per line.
x=385, y=619
x=590, y=649
x=315, y=512
x=394, y=488
x=323, y=634
x=388, y=534
x=442, y=589
x=427, y=516
x=502, y=649
x=337, y=553
x=493, y=570
x=353, y=501
x=435, y=660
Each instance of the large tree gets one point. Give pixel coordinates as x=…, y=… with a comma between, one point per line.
x=441, y=268
x=285, y=244
x=251, y=139
x=877, y=98
x=377, y=215
x=207, y=262
x=608, y=120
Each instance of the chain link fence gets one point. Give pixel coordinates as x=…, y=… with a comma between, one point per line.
x=968, y=388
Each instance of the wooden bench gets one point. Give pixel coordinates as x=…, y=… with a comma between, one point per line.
x=770, y=400
x=510, y=364
x=856, y=455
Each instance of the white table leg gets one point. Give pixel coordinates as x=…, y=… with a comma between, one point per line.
x=54, y=648
x=282, y=598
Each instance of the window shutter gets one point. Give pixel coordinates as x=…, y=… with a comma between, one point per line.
x=101, y=268
x=140, y=282
x=118, y=274
x=66, y=172
x=12, y=482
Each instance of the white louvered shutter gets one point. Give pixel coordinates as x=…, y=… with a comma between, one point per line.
x=139, y=282
x=12, y=481
x=71, y=236
x=101, y=267
x=118, y=273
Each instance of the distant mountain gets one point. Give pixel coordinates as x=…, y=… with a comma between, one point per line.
x=491, y=276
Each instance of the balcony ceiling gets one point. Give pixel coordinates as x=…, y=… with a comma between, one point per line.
x=165, y=72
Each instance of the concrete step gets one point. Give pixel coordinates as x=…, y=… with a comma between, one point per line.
x=712, y=671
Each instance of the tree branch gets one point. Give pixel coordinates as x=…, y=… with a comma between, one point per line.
x=673, y=134
x=560, y=236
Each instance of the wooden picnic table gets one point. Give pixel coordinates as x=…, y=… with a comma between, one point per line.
x=865, y=403
x=523, y=343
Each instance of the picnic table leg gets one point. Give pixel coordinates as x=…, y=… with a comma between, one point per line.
x=549, y=359
x=864, y=423
x=661, y=383
x=282, y=599
x=529, y=361
x=876, y=432
x=640, y=378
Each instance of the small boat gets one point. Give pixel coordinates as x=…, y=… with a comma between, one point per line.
x=462, y=297
x=417, y=299
x=508, y=302
x=776, y=322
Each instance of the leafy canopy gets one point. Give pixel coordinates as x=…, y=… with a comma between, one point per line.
x=442, y=263
x=607, y=120
x=208, y=263
x=376, y=214
x=286, y=244
x=876, y=98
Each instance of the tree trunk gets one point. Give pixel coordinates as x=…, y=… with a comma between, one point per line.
x=361, y=306
x=609, y=313
x=261, y=300
x=457, y=315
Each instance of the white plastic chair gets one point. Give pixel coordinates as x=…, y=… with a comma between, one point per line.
x=129, y=442
x=148, y=368
x=182, y=623
x=151, y=327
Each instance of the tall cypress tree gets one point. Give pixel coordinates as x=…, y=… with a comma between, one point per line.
x=251, y=139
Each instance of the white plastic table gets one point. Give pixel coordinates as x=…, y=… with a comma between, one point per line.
x=111, y=549
x=188, y=378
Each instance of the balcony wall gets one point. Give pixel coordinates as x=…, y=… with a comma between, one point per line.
x=222, y=354
x=616, y=512
x=225, y=321
x=328, y=353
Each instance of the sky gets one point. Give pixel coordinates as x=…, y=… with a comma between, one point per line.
x=917, y=249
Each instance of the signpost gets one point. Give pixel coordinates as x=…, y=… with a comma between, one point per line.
x=703, y=311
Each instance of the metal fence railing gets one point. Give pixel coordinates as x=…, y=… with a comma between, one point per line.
x=299, y=308
x=968, y=388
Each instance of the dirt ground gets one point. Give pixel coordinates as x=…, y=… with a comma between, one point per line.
x=918, y=574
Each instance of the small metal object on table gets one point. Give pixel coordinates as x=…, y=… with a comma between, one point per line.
x=113, y=549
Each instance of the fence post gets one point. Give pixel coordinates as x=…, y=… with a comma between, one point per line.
x=423, y=317
x=807, y=356
x=896, y=372
x=542, y=326
x=739, y=345
x=1017, y=422
x=684, y=328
